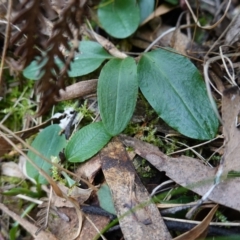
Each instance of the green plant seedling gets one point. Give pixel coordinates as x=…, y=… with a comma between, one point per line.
x=177, y=94
x=117, y=94
x=87, y=142
x=49, y=143
x=90, y=57
x=105, y=199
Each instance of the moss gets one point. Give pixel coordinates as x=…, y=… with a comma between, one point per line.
x=144, y=169
x=55, y=172
x=16, y=103
x=221, y=217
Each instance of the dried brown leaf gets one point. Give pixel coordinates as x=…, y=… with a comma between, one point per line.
x=162, y=9
x=90, y=168
x=136, y=221
x=230, y=116
x=79, y=194
x=89, y=231
x=189, y=173
x=199, y=230
x=11, y=169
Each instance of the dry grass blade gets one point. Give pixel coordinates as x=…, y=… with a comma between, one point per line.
x=109, y=46
x=53, y=184
x=38, y=154
x=162, y=9
x=207, y=27
x=27, y=225
x=7, y=32
x=43, y=215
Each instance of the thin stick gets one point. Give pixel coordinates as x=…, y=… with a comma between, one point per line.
x=224, y=32
x=7, y=32
x=195, y=146
x=164, y=34
x=208, y=81
x=207, y=27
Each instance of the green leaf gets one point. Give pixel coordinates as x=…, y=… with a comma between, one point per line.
x=117, y=93
x=32, y=71
x=119, y=18
x=90, y=57
x=70, y=181
x=49, y=143
x=86, y=142
x=146, y=8
x=105, y=199
x=19, y=190
x=176, y=90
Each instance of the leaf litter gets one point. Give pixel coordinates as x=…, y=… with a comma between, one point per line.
x=136, y=210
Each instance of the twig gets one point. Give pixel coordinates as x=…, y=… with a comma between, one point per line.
x=192, y=147
x=156, y=189
x=208, y=81
x=232, y=77
x=164, y=34
x=207, y=27
x=224, y=32
x=7, y=32
x=44, y=226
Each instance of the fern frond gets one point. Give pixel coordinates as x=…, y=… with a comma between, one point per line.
x=65, y=29
x=32, y=17
x=30, y=38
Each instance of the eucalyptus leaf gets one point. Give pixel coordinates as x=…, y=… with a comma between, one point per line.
x=119, y=18
x=105, y=199
x=49, y=143
x=146, y=8
x=90, y=57
x=117, y=93
x=86, y=142
x=176, y=90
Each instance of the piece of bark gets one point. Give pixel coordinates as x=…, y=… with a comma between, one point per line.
x=231, y=116
x=90, y=168
x=136, y=221
x=89, y=232
x=78, y=90
x=233, y=34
